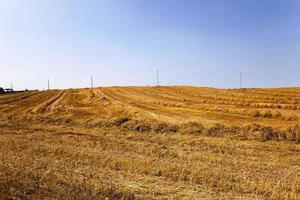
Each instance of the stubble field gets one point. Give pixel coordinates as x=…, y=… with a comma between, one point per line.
x=174, y=142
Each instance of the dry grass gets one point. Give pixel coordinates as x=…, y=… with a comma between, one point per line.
x=150, y=143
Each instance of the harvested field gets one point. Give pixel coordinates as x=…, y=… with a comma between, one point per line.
x=174, y=142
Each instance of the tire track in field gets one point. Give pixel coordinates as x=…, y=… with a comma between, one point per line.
x=13, y=100
x=119, y=98
x=16, y=107
x=25, y=105
x=133, y=101
x=48, y=104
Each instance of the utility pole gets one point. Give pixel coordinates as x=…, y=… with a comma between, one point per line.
x=92, y=83
x=157, y=77
x=48, y=84
x=241, y=80
x=11, y=86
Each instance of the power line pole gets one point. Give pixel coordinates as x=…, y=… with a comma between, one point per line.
x=92, y=83
x=157, y=77
x=241, y=80
x=11, y=86
x=48, y=83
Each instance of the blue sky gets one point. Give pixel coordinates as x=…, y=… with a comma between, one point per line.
x=123, y=42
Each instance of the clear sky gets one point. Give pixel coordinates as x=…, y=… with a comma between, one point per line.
x=123, y=42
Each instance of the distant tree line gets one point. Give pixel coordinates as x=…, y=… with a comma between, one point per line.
x=9, y=90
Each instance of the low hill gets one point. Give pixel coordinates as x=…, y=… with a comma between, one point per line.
x=269, y=107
